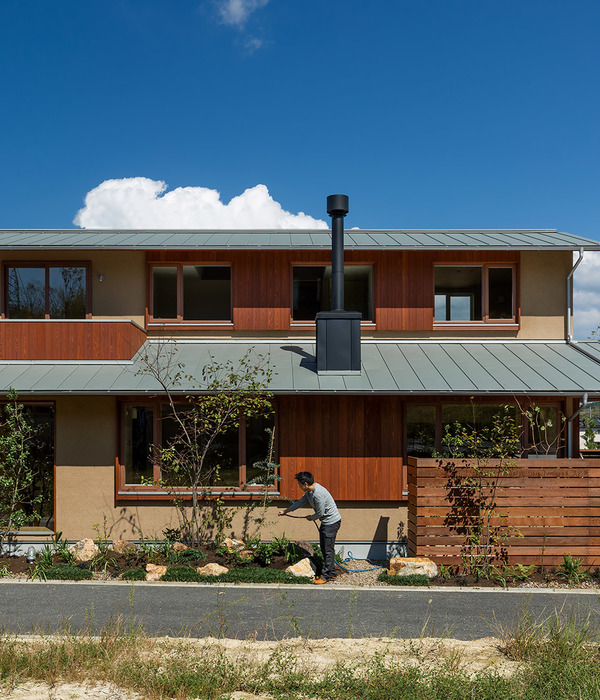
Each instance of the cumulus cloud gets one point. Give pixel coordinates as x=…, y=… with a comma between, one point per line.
x=236, y=12
x=586, y=296
x=139, y=202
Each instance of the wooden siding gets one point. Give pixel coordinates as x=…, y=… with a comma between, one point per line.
x=69, y=340
x=353, y=445
x=552, y=504
x=402, y=282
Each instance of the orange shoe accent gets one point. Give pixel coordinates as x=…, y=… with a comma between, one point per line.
x=318, y=581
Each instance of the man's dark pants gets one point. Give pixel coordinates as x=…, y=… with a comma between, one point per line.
x=327, y=534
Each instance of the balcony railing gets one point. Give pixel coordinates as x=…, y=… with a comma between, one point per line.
x=84, y=339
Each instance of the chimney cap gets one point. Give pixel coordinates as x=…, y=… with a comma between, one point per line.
x=337, y=204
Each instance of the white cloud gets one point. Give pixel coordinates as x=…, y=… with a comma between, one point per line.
x=586, y=296
x=236, y=12
x=138, y=202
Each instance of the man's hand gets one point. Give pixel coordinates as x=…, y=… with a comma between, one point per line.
x=308, y=517
x=282, y=512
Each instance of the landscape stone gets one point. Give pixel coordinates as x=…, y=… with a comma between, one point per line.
x=84, y=550
x=246, y=554
x=155, y=571
x=212, y=570
x=406, y=566
x=304, y=567
x=305, y=546
x=122, y=546
x=179, y=547
x=233, y=545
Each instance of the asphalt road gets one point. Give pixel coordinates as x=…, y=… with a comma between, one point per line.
x=276, y=612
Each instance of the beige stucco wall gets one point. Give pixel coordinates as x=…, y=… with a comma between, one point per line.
x=544, y=294
x=86, y=445
x=121, y=294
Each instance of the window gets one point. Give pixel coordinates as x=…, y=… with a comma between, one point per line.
x=312, y=291
x=46, y=290
x=478, y=293
x=195, y=293
x=147, y=427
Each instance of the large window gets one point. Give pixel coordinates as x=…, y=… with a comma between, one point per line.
x=312, y=291
x=46, y=290
x=237, y=453
x=194, y=293
x=483, y=293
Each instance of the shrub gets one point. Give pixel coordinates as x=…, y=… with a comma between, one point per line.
x=410, y=580
x=255, y=574
x=68, y=572
x=181, y=573
x=187, y=556
x=134, y=575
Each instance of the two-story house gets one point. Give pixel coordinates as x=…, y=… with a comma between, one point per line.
x=450, y=320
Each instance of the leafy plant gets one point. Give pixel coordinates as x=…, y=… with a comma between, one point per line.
x=571, y=569
x=189, y=556
x=4, y=571
x=138, y=574
x=181, y=573
x=410, y=580
x=589, y=433
x=255, y=574
x=68, y=572
x=18, y=506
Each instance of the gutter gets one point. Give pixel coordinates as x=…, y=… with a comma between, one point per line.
x=569, y=324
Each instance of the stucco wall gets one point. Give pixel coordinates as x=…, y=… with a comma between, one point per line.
x=121, y=294
x=86, y=445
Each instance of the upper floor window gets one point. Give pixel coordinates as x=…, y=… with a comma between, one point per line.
x=46, y=290
x=192, y=293
x=484, y=293
x=312, y=291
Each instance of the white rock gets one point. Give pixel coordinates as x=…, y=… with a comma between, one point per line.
x=233, y=545
x=212, y=570
x=155, y=571
x=304, y=567
x=405, y=566
x=84, y=550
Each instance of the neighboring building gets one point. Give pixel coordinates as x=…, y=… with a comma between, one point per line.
x=451, y=320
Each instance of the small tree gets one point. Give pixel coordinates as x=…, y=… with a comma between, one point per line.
x=230, y=392
x=18, y=505
x=488, y=454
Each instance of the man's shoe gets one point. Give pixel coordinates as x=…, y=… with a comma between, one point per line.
x=318, y=581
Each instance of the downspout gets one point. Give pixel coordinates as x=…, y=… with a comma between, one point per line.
x=570, y=420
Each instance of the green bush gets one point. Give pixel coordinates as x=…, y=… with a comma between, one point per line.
x=68, y=572
x=187, y=556
x=255, y=574
x=181, y=573
x=134, y=575
x=410, y=580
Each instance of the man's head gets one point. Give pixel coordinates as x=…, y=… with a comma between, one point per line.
x=305, y=480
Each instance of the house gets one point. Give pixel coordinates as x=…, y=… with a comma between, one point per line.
x=451, y=320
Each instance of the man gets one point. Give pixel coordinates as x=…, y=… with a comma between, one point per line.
x=321, y=501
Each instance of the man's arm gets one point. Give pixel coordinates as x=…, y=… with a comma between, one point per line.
x=294, y=506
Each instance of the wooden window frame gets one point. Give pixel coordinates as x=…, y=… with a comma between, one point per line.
x=46, y=265
x=125, y=491
x=486, y=321
x=370, y=323
x=179, y=322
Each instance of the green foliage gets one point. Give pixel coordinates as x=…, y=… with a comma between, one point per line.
x=138, y=574
x=68, y=572
x=255, y=574
x=546, y=436
x=589, y=433
x=476, y=460
x=229, y=393
x=18, y=507
x=181, y=573
x=278, y=547
x=444, y=571
x=572, y=570
x=187, y=556
x=410, y=580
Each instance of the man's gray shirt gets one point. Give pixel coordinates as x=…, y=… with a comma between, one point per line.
x=323, y=504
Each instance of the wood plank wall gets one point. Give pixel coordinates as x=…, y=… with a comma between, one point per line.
x=262, y=282
x=552, y=503
x=64, y=340
x=352, y=444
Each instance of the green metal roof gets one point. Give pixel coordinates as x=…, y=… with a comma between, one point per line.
x=492, y=239
x=552, y=368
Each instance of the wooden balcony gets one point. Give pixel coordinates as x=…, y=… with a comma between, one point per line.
x=85, y=339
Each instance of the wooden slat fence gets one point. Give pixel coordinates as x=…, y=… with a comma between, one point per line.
x=550, y=507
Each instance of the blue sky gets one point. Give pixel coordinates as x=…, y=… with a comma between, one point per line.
x=428, y=114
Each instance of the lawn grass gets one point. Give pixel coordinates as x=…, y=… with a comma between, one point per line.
x=560, y=661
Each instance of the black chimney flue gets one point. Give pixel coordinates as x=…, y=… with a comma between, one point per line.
x=338, y=331
x=337, y=208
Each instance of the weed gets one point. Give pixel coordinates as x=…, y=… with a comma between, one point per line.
x=571, y=570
